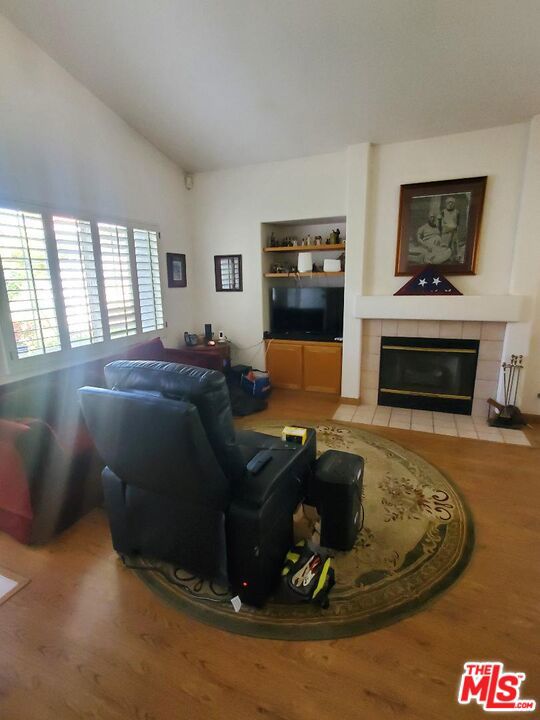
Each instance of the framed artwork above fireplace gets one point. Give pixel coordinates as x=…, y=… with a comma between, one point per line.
x=439, y=224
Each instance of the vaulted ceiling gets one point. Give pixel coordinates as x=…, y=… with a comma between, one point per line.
x=218, y=83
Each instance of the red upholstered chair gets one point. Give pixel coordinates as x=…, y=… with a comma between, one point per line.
x=15, y=505
x=49, y=452
x=149, y=350
x=34, y=479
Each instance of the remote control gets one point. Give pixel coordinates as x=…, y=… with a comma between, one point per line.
x=257, y=463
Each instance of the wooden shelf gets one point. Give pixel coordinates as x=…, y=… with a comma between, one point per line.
x=305, y=248
x=302, y=274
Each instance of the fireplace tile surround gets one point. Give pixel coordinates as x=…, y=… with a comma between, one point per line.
x=490, y=335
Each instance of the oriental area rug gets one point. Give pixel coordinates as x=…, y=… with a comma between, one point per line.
x=416, y=539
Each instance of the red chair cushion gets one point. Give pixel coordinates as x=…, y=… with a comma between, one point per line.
x=151, y=350
x=15, y=506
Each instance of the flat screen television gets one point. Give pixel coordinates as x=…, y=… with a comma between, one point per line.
x=315, y=313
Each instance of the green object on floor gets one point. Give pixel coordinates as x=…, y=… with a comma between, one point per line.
x=417, y=538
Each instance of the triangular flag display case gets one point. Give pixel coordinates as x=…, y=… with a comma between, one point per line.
x=429, y=281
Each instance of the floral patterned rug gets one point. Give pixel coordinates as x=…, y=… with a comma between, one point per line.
x=417, y=538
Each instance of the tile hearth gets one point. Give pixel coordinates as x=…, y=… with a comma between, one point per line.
x=463, y=426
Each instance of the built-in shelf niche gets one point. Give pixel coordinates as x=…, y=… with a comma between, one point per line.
x=288, y=256
x=300, y=229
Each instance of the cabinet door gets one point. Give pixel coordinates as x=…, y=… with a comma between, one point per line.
x=322, y=368
x=284, y=363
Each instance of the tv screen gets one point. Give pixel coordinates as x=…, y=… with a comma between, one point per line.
x=306, y=312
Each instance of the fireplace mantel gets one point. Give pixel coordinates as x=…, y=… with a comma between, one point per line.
x=485, y=308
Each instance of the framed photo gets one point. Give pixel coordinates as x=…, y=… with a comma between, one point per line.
x=439, y=224
x=176, y=270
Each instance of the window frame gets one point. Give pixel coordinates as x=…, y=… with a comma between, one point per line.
x=219, y=276
x=6, y=322
x=69, y=355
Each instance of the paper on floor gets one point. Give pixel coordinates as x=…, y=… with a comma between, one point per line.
x=6, y=585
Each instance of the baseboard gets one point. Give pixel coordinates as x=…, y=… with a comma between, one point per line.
x=531, y=417
x=349, y=401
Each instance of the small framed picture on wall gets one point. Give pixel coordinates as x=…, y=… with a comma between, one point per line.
x=176, y=270
x=439, y=224
x=228, y=273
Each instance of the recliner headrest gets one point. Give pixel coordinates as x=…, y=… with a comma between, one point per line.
x=206, y=389
x=170, y=379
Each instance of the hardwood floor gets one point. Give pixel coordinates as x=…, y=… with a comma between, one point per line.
x=85, y=639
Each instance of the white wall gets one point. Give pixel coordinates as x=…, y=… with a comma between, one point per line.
x=358, y=181
x=61, y=147
x=524, y=338
x=498, y=153
x=228, y=208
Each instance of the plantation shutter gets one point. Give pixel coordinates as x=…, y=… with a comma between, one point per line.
x=79, y=280
x=25, y=265
x=115, y=260
x=147, y=263
x=230, y=275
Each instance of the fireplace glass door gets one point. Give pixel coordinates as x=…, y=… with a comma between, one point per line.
x=428, y=373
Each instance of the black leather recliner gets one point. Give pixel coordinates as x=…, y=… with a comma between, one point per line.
x=176, y=485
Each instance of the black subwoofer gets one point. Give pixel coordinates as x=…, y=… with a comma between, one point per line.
x=339, y=479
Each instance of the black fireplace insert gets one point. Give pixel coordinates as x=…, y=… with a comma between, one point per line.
x=428, y=373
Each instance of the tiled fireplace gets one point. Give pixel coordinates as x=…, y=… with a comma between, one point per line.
x=489, y=335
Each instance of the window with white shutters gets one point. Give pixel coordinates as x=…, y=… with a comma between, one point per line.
x=147, y=263
x=79, y=280
x=116, y=264
x=68, y=283
x=28, y=285
x=228, y=272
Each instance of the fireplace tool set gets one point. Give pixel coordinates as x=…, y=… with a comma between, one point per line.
x=508, y=415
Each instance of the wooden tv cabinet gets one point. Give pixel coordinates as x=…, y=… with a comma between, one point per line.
x=304, y=365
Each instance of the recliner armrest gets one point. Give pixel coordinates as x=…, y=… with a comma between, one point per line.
x=254, y=490
x=288, y=463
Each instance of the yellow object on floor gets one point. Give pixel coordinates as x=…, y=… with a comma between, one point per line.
x=293, y=434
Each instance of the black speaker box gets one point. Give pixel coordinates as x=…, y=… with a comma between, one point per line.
x=339, y=479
